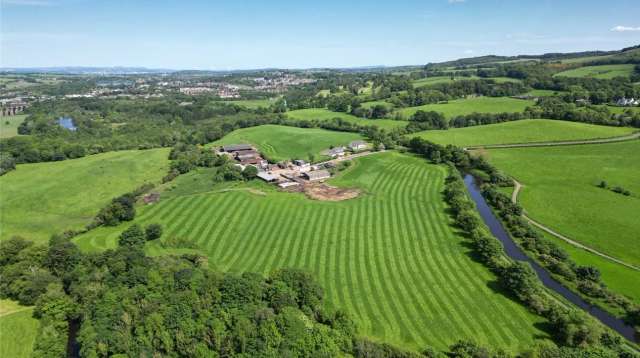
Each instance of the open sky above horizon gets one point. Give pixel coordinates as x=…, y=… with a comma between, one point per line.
x=248, y=34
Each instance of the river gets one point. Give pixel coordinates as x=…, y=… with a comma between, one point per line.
x=516, y=253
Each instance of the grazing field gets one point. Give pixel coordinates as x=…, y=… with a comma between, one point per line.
x=322, y=114
x=9, y=125
x=543, y=93
x=602, y=72
x=282, y=143
x=560, y=191
x=41, y=199
x=467, y=106
x=18, y=330
x=371, y=104
x=253, y=103
x=522, y=131
x=389, y=257
x=615, y=276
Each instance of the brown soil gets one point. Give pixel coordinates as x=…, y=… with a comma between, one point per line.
x=324, y=192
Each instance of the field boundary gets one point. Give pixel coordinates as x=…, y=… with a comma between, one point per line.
x=624, y=138
x=514, y=199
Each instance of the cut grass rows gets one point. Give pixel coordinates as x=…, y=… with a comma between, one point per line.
x=389, y=258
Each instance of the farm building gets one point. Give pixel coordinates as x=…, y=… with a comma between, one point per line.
x=358, y=145
x=236, y=147
x=269, y=178
x=625, y=102
x=336, y=152
x=317, y=175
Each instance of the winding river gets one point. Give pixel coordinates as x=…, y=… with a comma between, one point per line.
x=515, y=252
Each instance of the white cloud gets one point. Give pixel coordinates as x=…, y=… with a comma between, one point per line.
x=27, y=2
x=625, y=28
x=456, y=1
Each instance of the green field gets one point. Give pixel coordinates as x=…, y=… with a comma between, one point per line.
x=561, y=192
x=467, y=106
x=390, y=257
x=282, y=143
x=523, y=131
x=9, y=125
x=253, y=103
x=325, y=114
x=18, y=330
x=542, y=93
x=602, y=72
x=41, y=199
x=620, y=110
x=371, y=104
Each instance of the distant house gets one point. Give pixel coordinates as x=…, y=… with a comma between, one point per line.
x=236, y=147
x=358, y=145
x=269, y=178
x=317, y=175
x=628, y=102
x=336, y=152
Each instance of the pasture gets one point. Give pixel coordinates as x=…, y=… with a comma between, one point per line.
x=601, y=72
x=522, y=131
x=253, y=103
x=18, y=330
x=278, y=143
x=389, y=257
x=41, y=199
x=560, y=191
x=323, y=114
x=9, y=125
x=462, y=107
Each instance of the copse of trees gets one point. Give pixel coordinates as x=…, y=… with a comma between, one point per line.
x=422, y=120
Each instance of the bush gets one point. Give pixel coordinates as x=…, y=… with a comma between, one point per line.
x=153, y=232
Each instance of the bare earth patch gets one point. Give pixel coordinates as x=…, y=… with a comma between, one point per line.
x=324, y=192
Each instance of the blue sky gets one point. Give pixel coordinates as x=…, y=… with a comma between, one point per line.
x=241, y=34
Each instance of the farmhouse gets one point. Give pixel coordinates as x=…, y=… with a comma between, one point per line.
x=358, y=145
x=317, y=175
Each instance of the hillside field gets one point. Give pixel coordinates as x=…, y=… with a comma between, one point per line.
x=9, y=125
x=325, y=114
x=389, y=257
x=602, y=72
x=252, y=103
x=18, y=330
x=467, y=106
x=560, y=191
x=522, y=131
x=41, y=199
x=283, y=143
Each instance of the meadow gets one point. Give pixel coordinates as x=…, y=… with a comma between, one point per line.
x=278, y=143
x=602, y=72
x=322, y=114
x=522, y=131
x=253, y=103
x=41, y=199
x=472, y=105
x=561, y=191
x=9, y=125
x=389, y=257
x=18, y=330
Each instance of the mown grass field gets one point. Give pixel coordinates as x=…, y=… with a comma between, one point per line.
x=390, y=257
x=41, y=199
x=523, y=131
x=18, y=330
x=602, y=72
x=471, y=105
x=9, y=125
x=561, y=192
x=322, y=114
x=282, y=142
